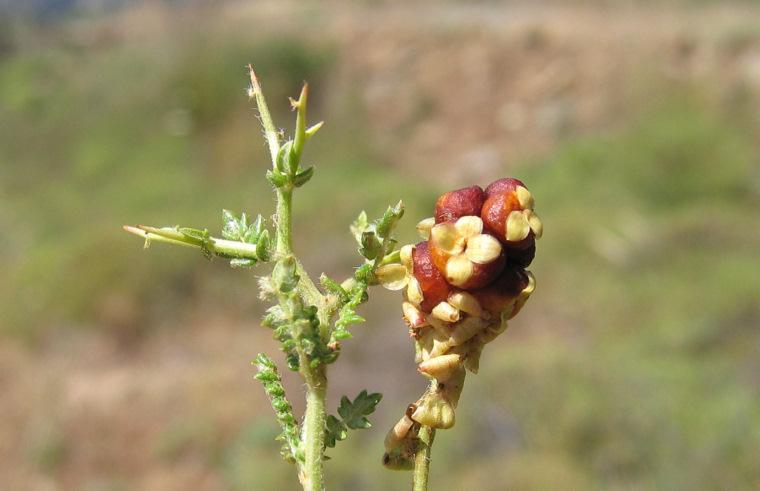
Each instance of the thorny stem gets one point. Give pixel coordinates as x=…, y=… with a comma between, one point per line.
x=284, y=237
x=311, y=472
x=426, y=436
x=270, y=132
x=308, y=450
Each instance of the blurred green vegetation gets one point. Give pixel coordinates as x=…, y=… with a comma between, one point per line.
x=650, y=264
x=139, y=133
x=641, y=369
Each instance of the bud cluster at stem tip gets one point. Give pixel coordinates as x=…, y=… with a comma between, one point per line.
x=461, y=285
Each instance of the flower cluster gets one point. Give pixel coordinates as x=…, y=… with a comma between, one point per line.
x=461, y=285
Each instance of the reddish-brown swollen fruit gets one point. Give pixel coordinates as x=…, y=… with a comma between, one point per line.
x=459, y=203
x=434, y=287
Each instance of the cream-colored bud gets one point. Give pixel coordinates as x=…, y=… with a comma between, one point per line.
x=535, y=223
x=413, y=316
x=441, y=367
x=517, y=226
x=398, y=433
x=446, y=238
x=439, y=347
x=530, y=286
x=442, y=328
x=469, y=225
x=483, y=249
x=405, y=255
x=446, y=312
x=466, y=329
x=472, y=361
x=525, y=198
x=414, y=291
x=392, y=276
x=467, y=302
x=435, y=411
x=459, y=269
x=423, y=228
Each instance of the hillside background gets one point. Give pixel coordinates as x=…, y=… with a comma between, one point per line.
x=635, y=365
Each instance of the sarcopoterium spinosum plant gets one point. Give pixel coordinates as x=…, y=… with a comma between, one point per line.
x=460, y=287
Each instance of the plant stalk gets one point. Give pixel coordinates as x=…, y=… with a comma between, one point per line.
x=313, y=433
x=426, y=436
x=311, y=472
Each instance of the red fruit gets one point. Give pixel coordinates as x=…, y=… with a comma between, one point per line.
x=434, y=287
x=522, y=257
x=508, y=214
x=503, y=185
x=455, y=204
x=500, y=295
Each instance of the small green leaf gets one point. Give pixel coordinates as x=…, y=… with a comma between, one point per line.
x=371, y=245
x=276, y=178
x=359, y=226
x=303, y=177
x=332, y=286
x=284, y=156
x=284, y=274
x=257, y=227
x=242, y=263
x=292, y=362
x=389, y=220
x=354, y=413
x=202, y=235
x=341, y=333
x=262, y=245
x=230, y=225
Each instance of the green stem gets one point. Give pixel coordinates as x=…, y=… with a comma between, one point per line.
x=313, y=435
x=284, y=227
x=315, y=376
x=171, y=235
x=426, y=436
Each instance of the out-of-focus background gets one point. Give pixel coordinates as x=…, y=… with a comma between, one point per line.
x=635, y=365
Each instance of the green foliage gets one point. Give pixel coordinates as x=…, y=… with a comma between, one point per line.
x=287, y=172
x=375, y=239
x=353, y=415
x=295, y=324
x=270, y=378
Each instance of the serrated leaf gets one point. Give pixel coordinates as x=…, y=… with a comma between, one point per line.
x=341, y=333
x=348, y=316
x=354, y=413
x=335, y=431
